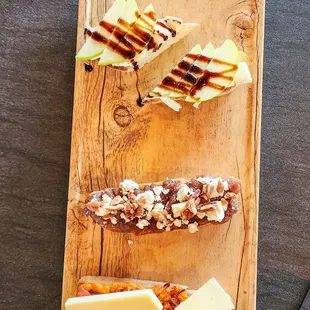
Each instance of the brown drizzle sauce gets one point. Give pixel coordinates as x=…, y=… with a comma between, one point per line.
x=150, y=15
x=163, y=36
x=107, y=26
x=99, y=37
x=145, y=21
x=151, y=44
x=172, y=31
x=87, y=32
x=139, y=100
x=137, y=14
x=207, y=75
x=88, y=67
x=205, y=59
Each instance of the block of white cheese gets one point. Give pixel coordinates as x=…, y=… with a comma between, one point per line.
x=133, y=300
x=210, y=296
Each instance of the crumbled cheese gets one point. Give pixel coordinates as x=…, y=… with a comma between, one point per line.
x=159, y=207
x=102, y=212
x=211, y=185
x=128, y=185
x=185, y=222
x=183, y=193
x=177, y=223
x=218, y=213
x=130, y=242
x=168, y=228
x=226, y=187
x=146, y=199
x=114, y=220
x=193, y=227
x=158, y=190
x=106, y=200
x=149, y=216
x=201, y=215
x=160, y=225
x=204, y=180
x=178, y=209
x=169, y=217
x=125, y=198
x=142, y=223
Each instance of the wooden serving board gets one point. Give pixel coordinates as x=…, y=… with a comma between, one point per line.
x=113, y=138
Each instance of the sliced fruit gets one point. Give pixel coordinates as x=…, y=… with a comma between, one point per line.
x=95, y=44
x=113, y=52
x=161, y=40
x=194, y=72
x=219, y=73
x=243, y=76
x=169, y=83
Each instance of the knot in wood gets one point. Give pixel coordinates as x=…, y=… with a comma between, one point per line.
x=122, y=116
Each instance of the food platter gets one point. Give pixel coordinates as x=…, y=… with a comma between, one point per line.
x=113, y=138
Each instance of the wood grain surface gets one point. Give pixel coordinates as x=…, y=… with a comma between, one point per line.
x=113, y=138
x=37, y=71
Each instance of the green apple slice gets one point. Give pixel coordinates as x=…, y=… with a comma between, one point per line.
x=194, y=71
x=125, y=22
x=93, y=48
x=218, y=75
x=168, y=84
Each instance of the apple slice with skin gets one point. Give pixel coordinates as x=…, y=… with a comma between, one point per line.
x=94, y=48
x=243, y=76
x=168, y=84
x=124, y=23
x=219, y=74
x=194, y=72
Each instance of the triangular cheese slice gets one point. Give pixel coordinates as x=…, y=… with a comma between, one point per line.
x=169, y=83
x=95, y=44
x=219, y=73
x=124, y=23
x=161, y=40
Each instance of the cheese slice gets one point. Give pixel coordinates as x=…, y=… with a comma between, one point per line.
x=210, y=296
x=147, y=55
x=132, y=300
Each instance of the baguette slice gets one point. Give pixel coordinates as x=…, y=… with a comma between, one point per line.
x=111, y=280
x=170, y=295
x=164, y=206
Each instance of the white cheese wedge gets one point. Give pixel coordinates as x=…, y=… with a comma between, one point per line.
x=130, y=16
x=92, y=48
x=221, y=71
x=133, y=300
x=147, y=55
x=210, y=296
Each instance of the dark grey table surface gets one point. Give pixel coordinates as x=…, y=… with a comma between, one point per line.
x=37, y=72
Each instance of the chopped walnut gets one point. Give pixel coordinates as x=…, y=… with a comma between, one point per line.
x=158, y=215
x=133, y=210
x=116, y=201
